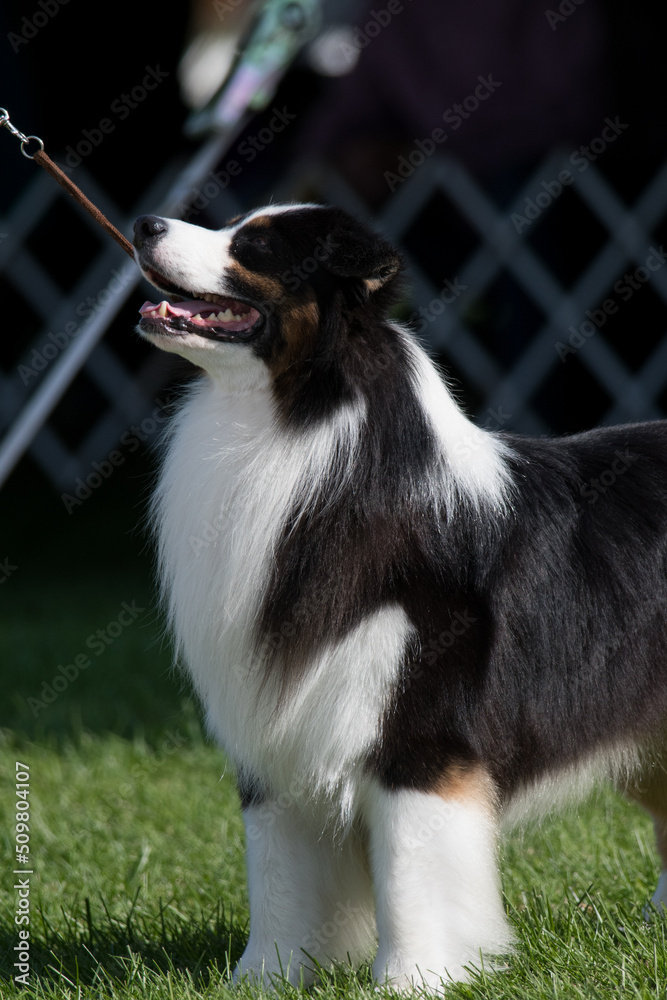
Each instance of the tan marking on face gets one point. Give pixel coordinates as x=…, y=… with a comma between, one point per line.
x=299, y=322
x=264, y=288
x=468, y=783
x=260, y=220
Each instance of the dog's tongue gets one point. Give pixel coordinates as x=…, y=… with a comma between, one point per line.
x=229, y=313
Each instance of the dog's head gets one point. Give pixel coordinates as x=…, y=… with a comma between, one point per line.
x=276, y=289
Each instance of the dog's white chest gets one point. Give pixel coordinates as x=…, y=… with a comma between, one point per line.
x=222, y=493
x=229, y=482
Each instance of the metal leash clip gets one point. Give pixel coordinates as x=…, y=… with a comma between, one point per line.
x=4, y=120
x=44, y=160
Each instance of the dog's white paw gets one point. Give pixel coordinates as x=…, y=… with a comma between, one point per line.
x=430, y=976
x=268, y=970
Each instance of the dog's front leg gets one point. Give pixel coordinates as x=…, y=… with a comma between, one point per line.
x=436, y=884
x=309, y=897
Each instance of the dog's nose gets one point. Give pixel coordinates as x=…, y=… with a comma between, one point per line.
x=147, y=227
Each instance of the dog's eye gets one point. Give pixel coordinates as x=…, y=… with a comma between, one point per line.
x=259, y=241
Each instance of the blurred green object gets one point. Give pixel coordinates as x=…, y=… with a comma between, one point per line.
x=277, y=33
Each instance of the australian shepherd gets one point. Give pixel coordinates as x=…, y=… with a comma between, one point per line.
x=405, y=630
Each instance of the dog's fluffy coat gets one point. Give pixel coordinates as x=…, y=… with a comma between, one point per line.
x=403, y=629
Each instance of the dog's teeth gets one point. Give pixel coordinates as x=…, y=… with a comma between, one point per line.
x=226, y=315
x=198, y=316
x=163, y=308
x=237, y=318
x=220, y=315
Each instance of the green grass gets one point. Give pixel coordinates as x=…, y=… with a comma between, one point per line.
x=136, y=842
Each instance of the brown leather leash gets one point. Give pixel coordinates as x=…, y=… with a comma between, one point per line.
x=54, y=170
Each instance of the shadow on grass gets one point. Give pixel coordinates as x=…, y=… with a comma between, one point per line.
x=88, y=953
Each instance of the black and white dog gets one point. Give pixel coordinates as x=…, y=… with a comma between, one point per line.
x=405, y=630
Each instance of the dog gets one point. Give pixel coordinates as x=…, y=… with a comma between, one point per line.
x=405, y=630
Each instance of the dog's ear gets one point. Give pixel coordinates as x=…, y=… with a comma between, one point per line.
x=356, y=252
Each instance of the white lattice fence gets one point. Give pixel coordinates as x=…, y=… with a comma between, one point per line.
x=502, y=246
x=123, y=388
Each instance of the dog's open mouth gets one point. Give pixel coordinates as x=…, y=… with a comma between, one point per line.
x=215, y=316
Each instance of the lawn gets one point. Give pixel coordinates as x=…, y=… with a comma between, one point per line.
x=136, y=841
